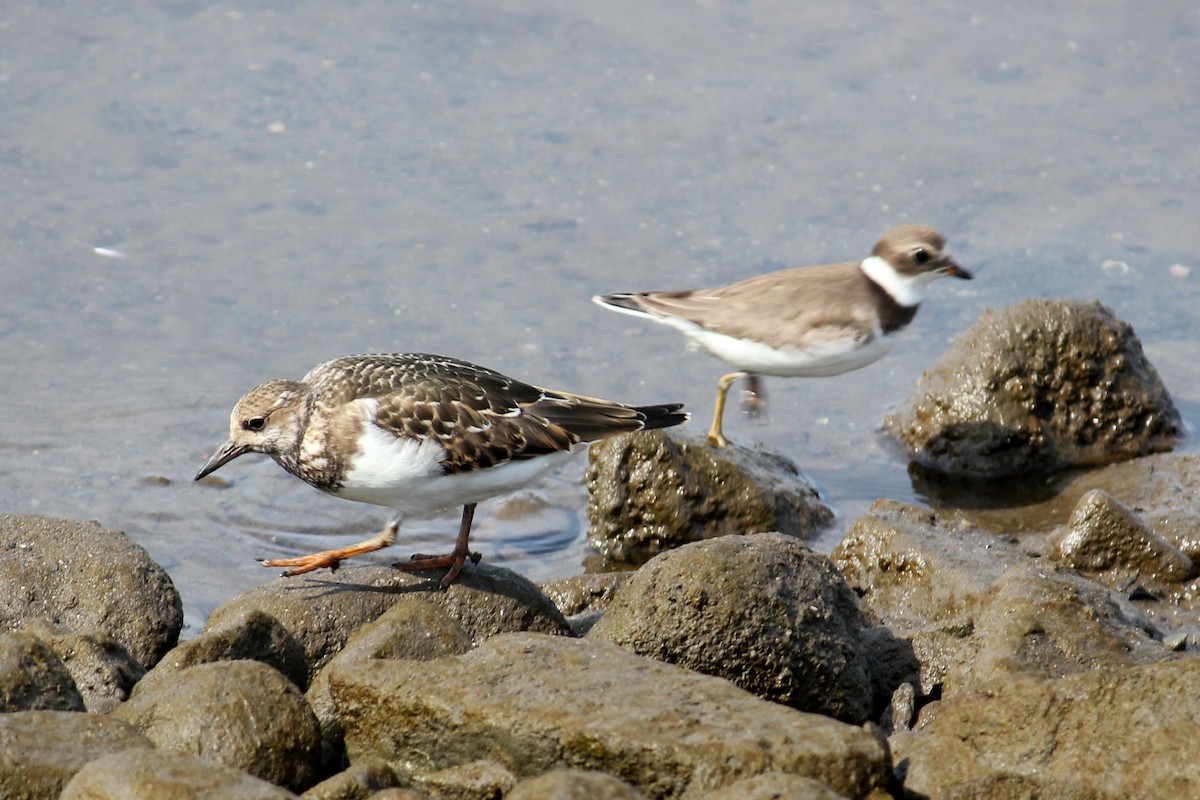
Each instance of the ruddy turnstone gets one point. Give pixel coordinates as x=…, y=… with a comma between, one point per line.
x=418, y=433
x=805, y=321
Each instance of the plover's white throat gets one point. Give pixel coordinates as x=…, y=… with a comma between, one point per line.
x=805, y=321
x=418, y=433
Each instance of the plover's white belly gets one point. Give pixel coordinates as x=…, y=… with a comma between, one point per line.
x=405, y=474
x=818, y=361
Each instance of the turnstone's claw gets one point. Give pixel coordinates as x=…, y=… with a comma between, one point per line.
x=476, y=558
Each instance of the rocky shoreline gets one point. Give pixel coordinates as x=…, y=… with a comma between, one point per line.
x=1033, y=645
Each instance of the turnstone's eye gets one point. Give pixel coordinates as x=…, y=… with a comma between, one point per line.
x=920, y=255
x=255, y=423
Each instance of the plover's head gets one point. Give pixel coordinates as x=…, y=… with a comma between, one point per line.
x=266, y=420
x=907, y=258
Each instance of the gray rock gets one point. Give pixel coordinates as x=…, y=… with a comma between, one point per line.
x=166, y=775
x=242, y=714
x=33, y=677
x=358, y=782
x=84, y=577
x=764, y=611
x=574, y=784
x=413, y=628
x=1110, y=733
x=1105, y=537
x=976, y=607
x=583, y=598
x=1037, y=386
x=102, y=669
x=650, y=492
x=241, y=634
x=41, y=750
x=536, y=703
x=471, y=781
x=776, y=786
x=322, y=610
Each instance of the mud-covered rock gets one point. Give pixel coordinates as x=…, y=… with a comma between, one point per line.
x=1037, y=386
x=40, y=751
x=468, y=781
x=322, y=610
x=357, y=782
x=765, y=612
x=1105, y=538
x=976, y=606
x=574, y=784
x=242, y=714
x=102, y=669
x=82, y=576
x=166, y=775
x=413, y=628
x=583, y=598
x=33, y=677
x=775, y=786
x=240, y=634
x=537, y=703
x=1101, y=735
x=652, y=492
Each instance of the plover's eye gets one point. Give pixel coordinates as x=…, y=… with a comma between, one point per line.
x=920, y=255
x=255, y=423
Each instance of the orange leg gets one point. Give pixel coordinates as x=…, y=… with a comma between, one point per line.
x=455, y=559
x=332, y=558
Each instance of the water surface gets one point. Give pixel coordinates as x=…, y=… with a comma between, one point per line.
x=201, y=196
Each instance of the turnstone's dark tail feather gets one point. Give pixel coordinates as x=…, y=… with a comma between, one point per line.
x=662, y=416
x=590, y=418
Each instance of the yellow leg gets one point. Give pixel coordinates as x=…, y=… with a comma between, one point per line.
x=715, y=437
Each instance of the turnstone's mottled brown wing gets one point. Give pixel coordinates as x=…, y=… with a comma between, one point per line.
x=480, y=417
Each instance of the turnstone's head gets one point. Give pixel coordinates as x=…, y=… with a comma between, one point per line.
x=906, y=259
x=266, y=420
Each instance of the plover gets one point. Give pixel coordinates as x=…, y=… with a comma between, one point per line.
x=418, y=433
x=804, y=321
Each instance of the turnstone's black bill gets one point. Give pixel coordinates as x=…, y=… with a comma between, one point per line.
x=418, y=433
x=805, y=321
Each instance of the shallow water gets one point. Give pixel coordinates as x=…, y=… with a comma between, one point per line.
x=197, y=197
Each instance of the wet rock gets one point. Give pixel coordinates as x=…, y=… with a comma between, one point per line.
x=775, y=786
x=41, y=750
x=468, y=781
x=82, y=576
x=537, y=703
x=574, y=784
x=1106, y=538
x=166, y=775
x=650, y=492
x=975, y=606
x=33, y=677
x=1037, y=386
x=1110, y=733
x=241, y=634
x=242, y=714
x=764, y=611
x=357, y=782
x=414, y=628
x=322, y=610
x=583, y=599
x=101, y=668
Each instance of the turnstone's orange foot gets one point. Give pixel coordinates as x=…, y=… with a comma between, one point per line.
x=804, y=322
x=416, y=433
x=304, y=564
